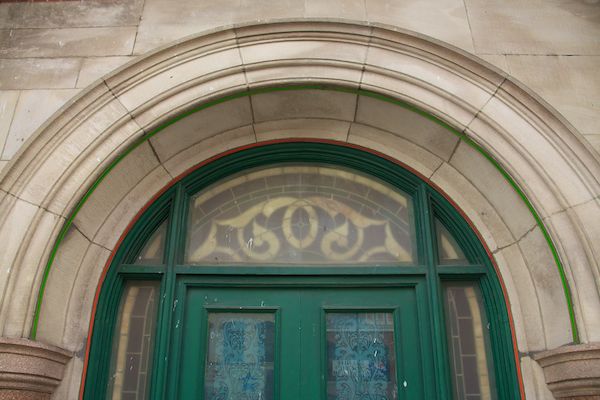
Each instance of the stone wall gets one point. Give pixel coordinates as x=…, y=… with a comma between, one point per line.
x=49, y=51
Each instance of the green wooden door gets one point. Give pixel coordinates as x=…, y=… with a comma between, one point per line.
x=305, y=340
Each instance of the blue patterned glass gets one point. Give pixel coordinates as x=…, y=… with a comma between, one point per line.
x=240, y=357
x=361, y=359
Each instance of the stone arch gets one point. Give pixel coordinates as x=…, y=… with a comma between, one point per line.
x=130, y=134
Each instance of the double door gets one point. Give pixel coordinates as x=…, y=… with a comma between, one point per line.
x=293, y=340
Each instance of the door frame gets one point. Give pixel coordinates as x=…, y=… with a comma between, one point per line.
x=428, y=203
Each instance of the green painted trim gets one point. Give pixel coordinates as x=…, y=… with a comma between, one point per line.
x=461, y=135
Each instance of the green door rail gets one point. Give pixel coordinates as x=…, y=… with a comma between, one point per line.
x=362, y=92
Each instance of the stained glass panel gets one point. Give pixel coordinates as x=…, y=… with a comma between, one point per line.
x=468, y=340
x=301, y=215
x=361, y=360
x=154, y=249
x=132, y=354
x=449, y=252
x=240, y=357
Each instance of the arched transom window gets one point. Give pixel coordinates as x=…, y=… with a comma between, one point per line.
x=301, y=271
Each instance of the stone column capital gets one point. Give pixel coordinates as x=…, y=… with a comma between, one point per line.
x=30, y=370
x=572, y=371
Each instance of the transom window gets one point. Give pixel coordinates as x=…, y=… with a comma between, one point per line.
x=300, y=215
x=298, y=271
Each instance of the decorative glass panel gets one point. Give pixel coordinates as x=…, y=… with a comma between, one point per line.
x=468, y=341
x=154, y=249
x=240, y=357
x=301, y=215
x=449, y=251
x=361, y=360
x=133, y=341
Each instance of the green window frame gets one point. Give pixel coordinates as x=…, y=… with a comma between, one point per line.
x=429, y=205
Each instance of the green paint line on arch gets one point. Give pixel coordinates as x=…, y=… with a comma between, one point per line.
x=461, y=135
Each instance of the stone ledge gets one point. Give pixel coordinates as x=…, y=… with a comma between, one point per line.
x=29, y=369
x=572, y=372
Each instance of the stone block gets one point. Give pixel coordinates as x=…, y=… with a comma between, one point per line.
x=294, y=72
x=20, y=293
x=79, y=307
x=445, y=20
x=60, y=181
x=304, y=104
x=410, y=89
x=14, y=224
x=33, y=108
x=59, y=287
x=548, y=287
x=204, y=14
x=518, y=165
x=347, y=9
x=162, y=23
x=512, y=27
x=406, y=124
x=201, y=125
x=269, y=50
x=477, y=208
x=193, y=155
x=569, y=83
x=119, y=218
x=418, y=158
x=580, y=263
x=94, y=68
x=63, y=14
x=533, y=380
x=183, y=75
x=71, y=383
x=497, y=60
x=594, y=140
x=39, y=73
x=492, y=184
x=66, y=42
x=302, y=128
x=523, y=297
x=166, y=108
x=152, y=36
x=8, y=103
x=114, y=188
x=532, y=133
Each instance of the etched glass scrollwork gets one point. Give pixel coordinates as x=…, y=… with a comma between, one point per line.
x=301, y=214
x=361, y=359
x=240, y=357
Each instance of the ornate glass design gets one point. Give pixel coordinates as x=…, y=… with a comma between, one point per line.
x=468, y=341
x=361, y=360
x=449, y=252
x=240, y=357
x=133, y=340
x=154, y=249
x=301, y=215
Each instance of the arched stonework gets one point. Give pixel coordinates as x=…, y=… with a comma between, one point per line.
x=340, y=67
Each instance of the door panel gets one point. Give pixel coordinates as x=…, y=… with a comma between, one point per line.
x=282, y=343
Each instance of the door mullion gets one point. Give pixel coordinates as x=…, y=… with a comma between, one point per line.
x=424, y=216
x=163, y=387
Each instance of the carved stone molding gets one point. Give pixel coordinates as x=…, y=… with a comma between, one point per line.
x=30, y=370
x=573, y=372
